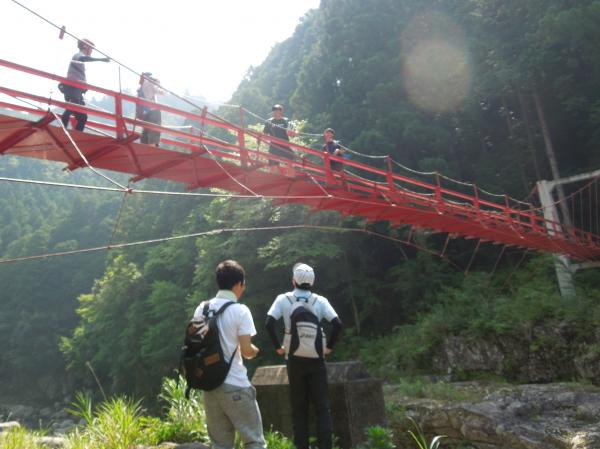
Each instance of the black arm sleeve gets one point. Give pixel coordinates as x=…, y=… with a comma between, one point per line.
x=270, y=325
x=90, y=59
x=336, y=329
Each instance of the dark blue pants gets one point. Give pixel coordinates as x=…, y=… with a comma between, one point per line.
x=74, y=95
x=308, y=384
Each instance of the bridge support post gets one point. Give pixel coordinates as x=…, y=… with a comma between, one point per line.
x=562, y=264
x=242, y=140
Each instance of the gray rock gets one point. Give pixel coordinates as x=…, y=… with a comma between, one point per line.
x=545, y=353
x=46, y=412
x=6, y=426
x=552, y=416
x=192, y=446
x=63, y=426
x=22, y=411
x=51, y=442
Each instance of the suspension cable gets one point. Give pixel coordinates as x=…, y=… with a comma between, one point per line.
x=222, y=231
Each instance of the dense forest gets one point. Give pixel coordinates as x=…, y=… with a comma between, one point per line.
x=479, y=90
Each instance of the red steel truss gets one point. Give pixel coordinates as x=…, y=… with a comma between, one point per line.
x=197, y=159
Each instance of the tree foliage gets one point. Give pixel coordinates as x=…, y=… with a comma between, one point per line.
x=357, y=66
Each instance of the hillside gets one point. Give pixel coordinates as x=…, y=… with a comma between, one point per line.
x=454, y=86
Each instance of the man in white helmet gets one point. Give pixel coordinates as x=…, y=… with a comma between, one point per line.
x=305, y=347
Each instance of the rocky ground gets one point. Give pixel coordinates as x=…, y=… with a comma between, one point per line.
x=474, y=415
x=551, y=416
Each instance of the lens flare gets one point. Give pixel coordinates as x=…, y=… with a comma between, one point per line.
x=436, y=68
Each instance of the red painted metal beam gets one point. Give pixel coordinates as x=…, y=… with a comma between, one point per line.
x=103, y=151
x=23, y=133
x=383, y=194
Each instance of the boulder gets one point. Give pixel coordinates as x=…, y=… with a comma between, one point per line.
x=552, y=416
x=51, y=442
x=541, y=354
x=6, y=426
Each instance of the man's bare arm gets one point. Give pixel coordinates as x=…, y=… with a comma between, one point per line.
x=248, y=350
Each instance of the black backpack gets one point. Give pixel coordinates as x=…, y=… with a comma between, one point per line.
x=202, y=361
x=307, y=336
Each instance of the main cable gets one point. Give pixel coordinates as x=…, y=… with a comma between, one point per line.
x=223, y=231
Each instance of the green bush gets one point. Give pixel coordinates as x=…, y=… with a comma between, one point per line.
x=276, y=440
x=378, y=437
x=482, y=308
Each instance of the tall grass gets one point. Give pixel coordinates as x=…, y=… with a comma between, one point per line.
x=18, y=438
x=118, y=423
x=184, y=418
x=114, y=424
x=420, y=440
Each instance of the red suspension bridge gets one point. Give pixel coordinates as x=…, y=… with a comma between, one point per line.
x=191, y=155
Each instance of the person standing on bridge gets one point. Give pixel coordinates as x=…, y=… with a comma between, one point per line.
x=305, y=347
x=280, y=127
x=76, y=73
x=148, y=90
x=332, y=147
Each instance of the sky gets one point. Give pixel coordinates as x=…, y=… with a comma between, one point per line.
x=199, y=46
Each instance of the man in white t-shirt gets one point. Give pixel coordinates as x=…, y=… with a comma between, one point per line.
x=307, y=376
x=232, y=406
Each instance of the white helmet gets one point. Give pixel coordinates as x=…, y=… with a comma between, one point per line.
x=303, y=274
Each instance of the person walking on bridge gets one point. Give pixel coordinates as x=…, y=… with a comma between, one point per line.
x=76, y=72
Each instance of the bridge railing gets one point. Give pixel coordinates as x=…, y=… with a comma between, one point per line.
x=243, y=146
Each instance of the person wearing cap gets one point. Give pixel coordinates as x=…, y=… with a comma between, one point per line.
x=307, y=376
x=333, y=148
x=76, y=73
x=148, y=90
x=280, y=127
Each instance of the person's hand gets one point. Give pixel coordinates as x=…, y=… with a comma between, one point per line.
x=291, y=133
x=281, y=351
x=326, y=351
x=255, y=350
x=105, y=59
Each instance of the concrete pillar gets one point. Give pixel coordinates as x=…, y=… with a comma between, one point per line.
x=356, y=400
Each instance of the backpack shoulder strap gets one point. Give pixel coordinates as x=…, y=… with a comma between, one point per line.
x=290, y=299
x=224, y=307
x=314, y=298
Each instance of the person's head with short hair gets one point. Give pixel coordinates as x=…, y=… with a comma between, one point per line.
x=277, y=111
x=231, y=276
x=328, y=134
x=303, y=276
x=145, y=76
x=86, y=46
